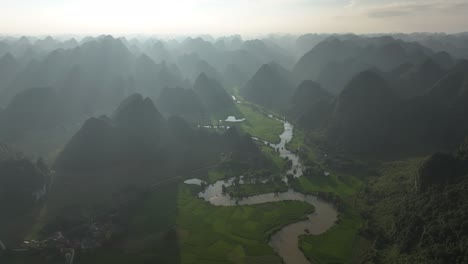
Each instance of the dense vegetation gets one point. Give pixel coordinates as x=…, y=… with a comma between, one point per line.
x=23, y=184
x=417, y=210
x=123, y=123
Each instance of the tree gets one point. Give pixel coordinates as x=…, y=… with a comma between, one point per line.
x=290, y=178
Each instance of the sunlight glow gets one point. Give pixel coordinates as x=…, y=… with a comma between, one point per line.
x=224, y=17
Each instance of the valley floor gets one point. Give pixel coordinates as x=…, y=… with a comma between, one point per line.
x=172, y=225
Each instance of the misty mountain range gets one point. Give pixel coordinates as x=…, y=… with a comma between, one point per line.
x=99, y=120
x=67, y=81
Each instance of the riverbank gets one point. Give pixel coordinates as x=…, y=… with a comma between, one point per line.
x=286, y=240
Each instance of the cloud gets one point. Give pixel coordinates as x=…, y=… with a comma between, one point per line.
x=400, y=9
x=353, y=3
x=388, y=9
x=387, y=13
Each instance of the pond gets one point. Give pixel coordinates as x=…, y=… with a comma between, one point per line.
x=234, y=119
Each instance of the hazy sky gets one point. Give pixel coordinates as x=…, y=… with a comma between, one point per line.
x=230, y=16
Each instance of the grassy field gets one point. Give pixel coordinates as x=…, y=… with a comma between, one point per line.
x=337, y=245
x=254, y=189
x=341, y=185
x=38, y=224
x=298, y=139
x=231, y=234
x=278, y=163
x=215, y=175
x=341, y=243
x=259, y=125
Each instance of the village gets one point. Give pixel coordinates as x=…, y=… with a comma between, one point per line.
x=65, y=244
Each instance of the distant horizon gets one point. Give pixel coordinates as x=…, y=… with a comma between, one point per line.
x=245, y=17
x=215, y=36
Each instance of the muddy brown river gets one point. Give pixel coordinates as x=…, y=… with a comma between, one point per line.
x=286, y=241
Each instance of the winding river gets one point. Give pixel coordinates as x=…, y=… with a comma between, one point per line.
x=286, y=241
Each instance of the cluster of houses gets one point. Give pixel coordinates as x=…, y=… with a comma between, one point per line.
x=92, y=236
x=95, y=235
